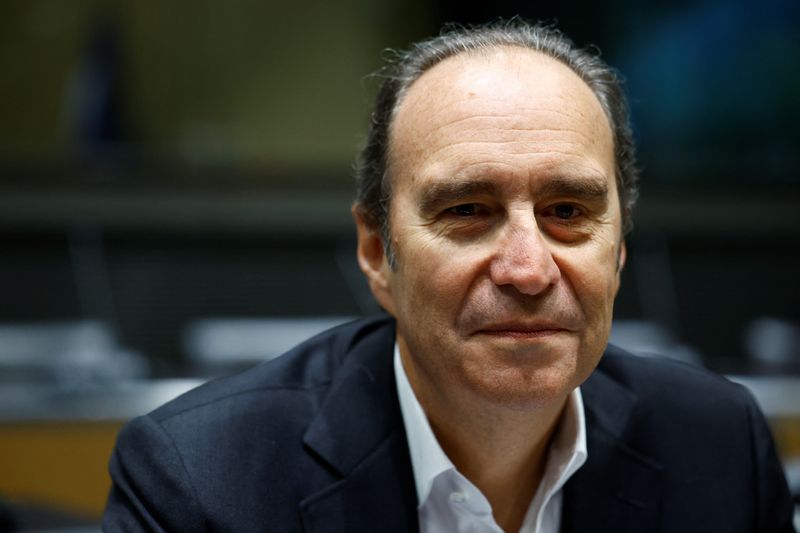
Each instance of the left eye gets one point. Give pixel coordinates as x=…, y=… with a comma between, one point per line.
x=464, y=210
x=565, y=211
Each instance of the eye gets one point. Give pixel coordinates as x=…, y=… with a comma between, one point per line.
x=566, y=221
x=565, y=211
x=464, y=210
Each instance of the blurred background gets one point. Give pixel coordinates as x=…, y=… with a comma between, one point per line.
x=175, y=181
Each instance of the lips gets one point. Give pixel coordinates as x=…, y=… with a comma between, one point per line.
x=522, y=329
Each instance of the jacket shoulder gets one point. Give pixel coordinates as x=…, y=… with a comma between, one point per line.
x=667, y=381
x=671, y=411
x=230, y=455
x=705, y=434
x=304, y=370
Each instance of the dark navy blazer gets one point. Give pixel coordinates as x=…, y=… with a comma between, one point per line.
x=314, y=441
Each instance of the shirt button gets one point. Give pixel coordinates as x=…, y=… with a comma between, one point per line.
x=458, y=497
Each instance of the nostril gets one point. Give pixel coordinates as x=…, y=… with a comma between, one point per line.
x=523, y=259
x=529, y=274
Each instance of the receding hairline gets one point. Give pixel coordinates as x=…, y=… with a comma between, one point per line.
x=486, y=51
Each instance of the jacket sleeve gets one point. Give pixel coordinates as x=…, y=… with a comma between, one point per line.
x=151, y=490
x=775, y=511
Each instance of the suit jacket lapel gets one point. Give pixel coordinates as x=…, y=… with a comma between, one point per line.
x=617, y=489
x=359, y=434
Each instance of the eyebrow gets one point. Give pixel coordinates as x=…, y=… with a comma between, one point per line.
x=582, y=188
x=452, y=191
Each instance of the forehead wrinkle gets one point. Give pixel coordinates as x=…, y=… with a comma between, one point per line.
x=540, y=160
x=518, y=140
x=465, y=111
x=543, y=138
x=522, y=129
x=501, y=177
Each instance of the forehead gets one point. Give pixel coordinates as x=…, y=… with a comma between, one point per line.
x=508, y=105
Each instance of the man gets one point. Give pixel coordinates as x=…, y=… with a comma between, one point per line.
x=495, y=190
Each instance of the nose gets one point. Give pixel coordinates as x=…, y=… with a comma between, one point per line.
x=524, y=260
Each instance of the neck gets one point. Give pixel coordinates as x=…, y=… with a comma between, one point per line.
x=501, y=450
x=504, y=457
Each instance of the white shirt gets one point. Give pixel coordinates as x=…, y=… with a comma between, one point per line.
x=449, y=502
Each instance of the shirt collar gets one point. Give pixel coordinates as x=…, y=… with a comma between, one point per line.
x=428, y=460
x=567, y=454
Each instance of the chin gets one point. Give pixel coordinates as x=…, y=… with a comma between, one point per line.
x=523, y=389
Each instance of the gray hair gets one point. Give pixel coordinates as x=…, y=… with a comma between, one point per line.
x=374, y=186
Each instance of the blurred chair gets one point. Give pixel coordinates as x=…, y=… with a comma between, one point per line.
x=652, y=340
x=215, y=346
x=69, y=354
x=773, y=344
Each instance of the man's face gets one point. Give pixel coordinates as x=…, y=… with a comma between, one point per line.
x=505, y=222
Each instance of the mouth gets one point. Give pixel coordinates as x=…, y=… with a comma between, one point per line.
x=521, y=330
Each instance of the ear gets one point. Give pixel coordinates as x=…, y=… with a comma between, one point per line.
x=372, y=260
x=621, y=258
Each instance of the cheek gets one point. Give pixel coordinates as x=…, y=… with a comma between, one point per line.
x=432, y=277
x=592, y=274
x=420, y=272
